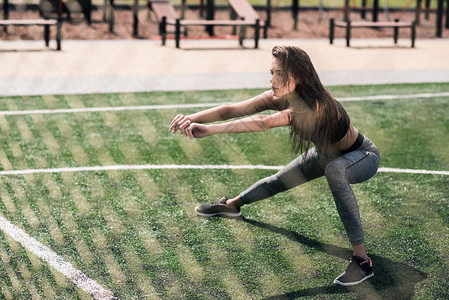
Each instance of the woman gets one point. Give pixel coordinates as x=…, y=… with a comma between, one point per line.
x=340, y=152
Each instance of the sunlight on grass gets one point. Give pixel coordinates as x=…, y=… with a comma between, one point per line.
x=137, y=234
x=233, y=285
x=76, y=194
x=146, y=129
x=194, y=271
x=6, y=198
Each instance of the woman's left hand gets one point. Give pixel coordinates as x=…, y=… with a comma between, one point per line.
x=196, y=130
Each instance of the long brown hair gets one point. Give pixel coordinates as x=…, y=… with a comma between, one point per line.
x=315, y=115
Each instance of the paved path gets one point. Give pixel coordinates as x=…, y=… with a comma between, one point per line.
x=28, y=68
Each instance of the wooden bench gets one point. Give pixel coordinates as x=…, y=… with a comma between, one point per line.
x=246, y=11
x=178, y=24
x=360, y=24
x=46, y=23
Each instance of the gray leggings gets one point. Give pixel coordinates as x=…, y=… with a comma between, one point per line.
x=353, y=167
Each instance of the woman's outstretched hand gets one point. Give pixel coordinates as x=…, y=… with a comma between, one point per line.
x=180, y=122
x=196, y=130
x=189, y=129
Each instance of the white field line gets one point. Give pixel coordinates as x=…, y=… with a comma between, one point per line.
x=195, y=105
x=106, y=109
x=389, y=97
x=77, y=277
x=192, y=167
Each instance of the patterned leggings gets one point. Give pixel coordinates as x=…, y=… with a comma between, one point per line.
x=353, y=167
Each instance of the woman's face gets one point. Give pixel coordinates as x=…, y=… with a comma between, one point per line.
x=280, y=84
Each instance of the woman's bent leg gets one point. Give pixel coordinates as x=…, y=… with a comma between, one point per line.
x=300, y=170
x=353, y=167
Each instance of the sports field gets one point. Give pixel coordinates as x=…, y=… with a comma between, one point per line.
x=97, y=199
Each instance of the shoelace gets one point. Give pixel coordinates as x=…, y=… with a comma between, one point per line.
x=369, y=262
x=222, y=201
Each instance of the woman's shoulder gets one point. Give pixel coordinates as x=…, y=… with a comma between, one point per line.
x=267, y=101
x=279, y=103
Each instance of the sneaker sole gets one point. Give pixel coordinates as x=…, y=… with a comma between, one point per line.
x=221, y=214
x=354, y=282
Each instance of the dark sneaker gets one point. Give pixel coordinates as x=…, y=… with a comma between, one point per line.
x=218, y=208
x=357, y=271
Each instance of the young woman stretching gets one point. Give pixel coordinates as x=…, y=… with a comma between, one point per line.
x=340, y=152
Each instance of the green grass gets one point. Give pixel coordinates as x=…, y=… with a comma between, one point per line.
x=136, y=234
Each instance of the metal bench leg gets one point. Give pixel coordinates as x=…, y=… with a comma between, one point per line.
x=111, y=16
x=47, y=35
x=58, y=33
x=178, y=32
x=331, y=30
x=135, y=18
x=396, y=32
x=413, y=34
x=241, y=29
x=256, y=34
x=163, y=30
x=242, y=33
x=348, y=33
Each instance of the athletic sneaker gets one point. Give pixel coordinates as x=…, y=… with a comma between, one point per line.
x=218, y=208
x=357, y=271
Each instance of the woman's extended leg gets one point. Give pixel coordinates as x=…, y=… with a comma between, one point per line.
x=302, y=169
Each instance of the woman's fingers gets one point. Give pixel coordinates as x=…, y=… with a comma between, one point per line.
x=179, y=122
x=184, y=123
x=174, y=124
x=190, y=130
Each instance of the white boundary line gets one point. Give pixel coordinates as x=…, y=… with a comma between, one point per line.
x=191, y=167
x=195, y=105
x=77, y=277
x=388, y=97
x=105, y=109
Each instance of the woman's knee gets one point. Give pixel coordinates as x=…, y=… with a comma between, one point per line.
x=274, y=184
x=336, y=170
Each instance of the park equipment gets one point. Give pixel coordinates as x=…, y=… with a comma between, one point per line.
x=245, y=11
x=163, y=8
x=46, y=7
x=179, y=23
x=168, y=20
x=348, y=25
x=44, y=22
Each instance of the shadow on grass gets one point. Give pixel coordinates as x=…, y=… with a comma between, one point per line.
x=392, y=280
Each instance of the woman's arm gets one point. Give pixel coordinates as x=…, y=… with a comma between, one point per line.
x=250, y=124
x=239, y=109
x=259, y=103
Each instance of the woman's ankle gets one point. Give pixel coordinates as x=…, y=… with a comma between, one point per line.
x=359, y=250
x=234, y=203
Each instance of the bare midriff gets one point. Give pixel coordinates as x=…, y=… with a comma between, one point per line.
x=348, y=140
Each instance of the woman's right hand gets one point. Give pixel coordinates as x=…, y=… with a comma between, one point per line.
x=180, y=122
x=196, y=130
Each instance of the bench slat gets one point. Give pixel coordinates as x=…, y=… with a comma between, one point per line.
x=163, y=10
x=27, y=22
x=210, y=22
x=244, y=9
x=374, y=24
